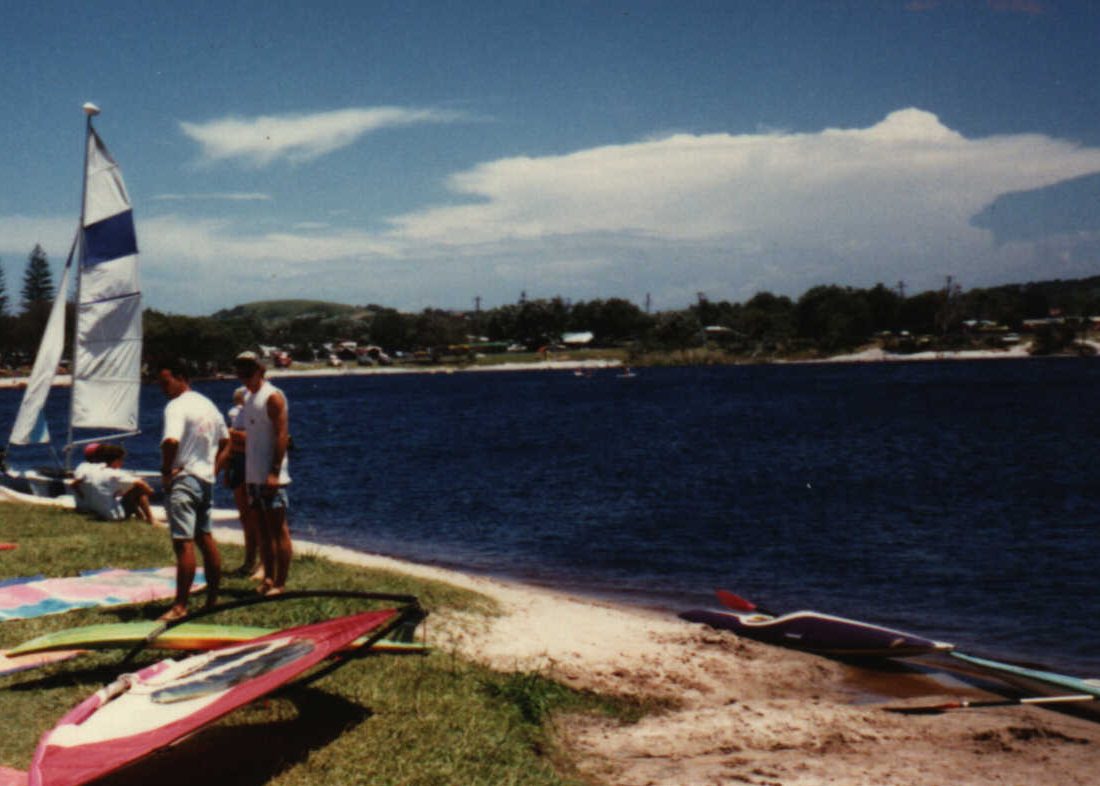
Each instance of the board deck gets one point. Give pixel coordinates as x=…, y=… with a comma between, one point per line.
x=169, y=700
x=24, y=598
x=820, y=633
x=12, y=664
x=1051, y=678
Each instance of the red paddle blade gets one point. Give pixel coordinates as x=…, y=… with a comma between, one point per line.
x=736, y=602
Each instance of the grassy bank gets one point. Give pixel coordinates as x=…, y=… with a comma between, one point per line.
x=435, y=719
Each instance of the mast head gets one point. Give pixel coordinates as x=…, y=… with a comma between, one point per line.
x=91, y=110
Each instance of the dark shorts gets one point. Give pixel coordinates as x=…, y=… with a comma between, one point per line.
x=234, y=473
x=262, y=497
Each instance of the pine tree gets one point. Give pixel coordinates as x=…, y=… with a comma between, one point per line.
x=37, y=280
x=3, y=292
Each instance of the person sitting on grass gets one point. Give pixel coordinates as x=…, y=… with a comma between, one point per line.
x=102, y=487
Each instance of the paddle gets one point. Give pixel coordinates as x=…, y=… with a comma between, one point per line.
x=963, y=704
x=737, y=603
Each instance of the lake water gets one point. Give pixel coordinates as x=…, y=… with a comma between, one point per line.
x=960, y=500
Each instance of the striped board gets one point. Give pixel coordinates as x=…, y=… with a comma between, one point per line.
x=161, y=704
x=189, y=636
x=34, y=596
x=1047, y=678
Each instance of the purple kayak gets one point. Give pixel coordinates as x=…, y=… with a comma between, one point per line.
x=820, y=633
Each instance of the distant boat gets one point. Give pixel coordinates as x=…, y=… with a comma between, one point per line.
x=627, y=373
x=107, y=337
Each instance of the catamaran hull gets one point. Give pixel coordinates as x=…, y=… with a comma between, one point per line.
x=820, y=633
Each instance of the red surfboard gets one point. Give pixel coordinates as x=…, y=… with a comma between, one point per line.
x=157, y=706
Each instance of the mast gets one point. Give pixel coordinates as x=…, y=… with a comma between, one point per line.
x=90, y=111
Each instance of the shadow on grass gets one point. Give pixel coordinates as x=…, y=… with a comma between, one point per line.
x=249, y=751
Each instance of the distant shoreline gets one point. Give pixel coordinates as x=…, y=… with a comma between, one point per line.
x=870, y=355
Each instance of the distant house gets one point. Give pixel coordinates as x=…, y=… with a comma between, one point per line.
x=578, y=339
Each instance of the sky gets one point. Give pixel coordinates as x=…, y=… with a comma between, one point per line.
x=441, y=154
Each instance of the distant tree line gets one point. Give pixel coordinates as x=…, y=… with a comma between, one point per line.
x=824, y=320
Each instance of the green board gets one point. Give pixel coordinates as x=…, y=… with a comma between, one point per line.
x=189, y=636
x=1075, y=684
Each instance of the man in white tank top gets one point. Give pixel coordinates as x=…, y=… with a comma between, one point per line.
x=266, y=474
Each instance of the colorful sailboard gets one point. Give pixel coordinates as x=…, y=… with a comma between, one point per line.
x=159, y=705
x=813, y=631
x=24, y=598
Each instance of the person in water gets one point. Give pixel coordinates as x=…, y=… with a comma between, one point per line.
x=267, y=429
x=102, y=487
x=195, y=435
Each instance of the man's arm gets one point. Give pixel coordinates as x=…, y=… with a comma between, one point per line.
x=222, y=459
x=276, y=412
x=168, y=450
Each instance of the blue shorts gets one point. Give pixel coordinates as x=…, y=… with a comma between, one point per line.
x=262, y=497
x=188, y=507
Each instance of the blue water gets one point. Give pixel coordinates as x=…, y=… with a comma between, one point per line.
x=960, y=500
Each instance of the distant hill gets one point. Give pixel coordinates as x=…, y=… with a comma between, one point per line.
x=286, y=310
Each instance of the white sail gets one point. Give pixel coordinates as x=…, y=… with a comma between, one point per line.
x=107, y=351
x=30, y=423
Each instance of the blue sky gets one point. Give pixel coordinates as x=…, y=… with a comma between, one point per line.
x=418, y=154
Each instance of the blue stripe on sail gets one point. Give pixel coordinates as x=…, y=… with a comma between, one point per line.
x=110, y=239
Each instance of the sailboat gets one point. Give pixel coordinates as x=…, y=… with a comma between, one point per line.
x=107, y=337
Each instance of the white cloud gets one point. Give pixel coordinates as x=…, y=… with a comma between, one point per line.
x=726, y=214
x=214, y=197
x=300, y=137
x=844, y=189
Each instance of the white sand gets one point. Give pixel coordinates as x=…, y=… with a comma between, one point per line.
x=743, y=712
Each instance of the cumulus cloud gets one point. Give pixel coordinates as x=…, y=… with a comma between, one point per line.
x=260, y=141
x=838, y=186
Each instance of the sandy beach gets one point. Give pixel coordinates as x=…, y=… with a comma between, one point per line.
x=740, y=712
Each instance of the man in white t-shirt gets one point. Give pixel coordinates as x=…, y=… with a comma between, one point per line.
x=194, y=433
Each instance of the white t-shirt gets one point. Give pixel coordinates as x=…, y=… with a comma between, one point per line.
x=100, y=488
x=196, y=424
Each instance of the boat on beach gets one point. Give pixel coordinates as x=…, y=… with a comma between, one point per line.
x=102, y=268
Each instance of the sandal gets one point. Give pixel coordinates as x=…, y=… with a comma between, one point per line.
x=172, y=615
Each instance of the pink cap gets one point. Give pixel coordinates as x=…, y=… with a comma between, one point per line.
x=90, y=449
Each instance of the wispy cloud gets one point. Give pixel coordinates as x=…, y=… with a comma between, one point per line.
x=214, y=197
x=260, y=141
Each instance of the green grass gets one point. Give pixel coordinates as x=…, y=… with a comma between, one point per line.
x=438, y=719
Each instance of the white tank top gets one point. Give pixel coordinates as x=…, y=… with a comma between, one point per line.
x=260, y=440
